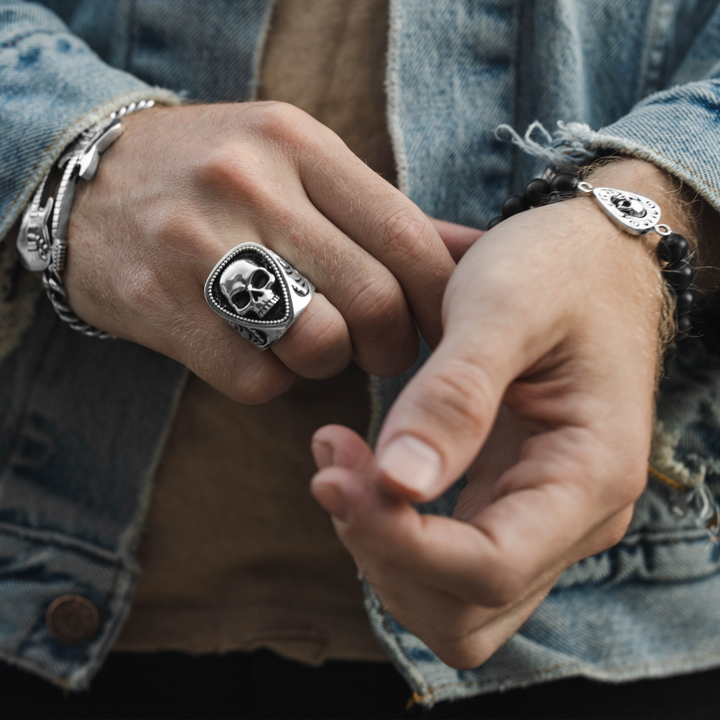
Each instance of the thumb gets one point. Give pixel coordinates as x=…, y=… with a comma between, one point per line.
x=440, y=421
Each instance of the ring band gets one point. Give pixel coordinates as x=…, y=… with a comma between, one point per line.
x=258, y=293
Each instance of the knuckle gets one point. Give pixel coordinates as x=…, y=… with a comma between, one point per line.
x=256, y=388
x=405, y=231
x=616, y=529
x=285, y=124
x=465, y=654
x=238, y=170
x=326, y=350
x=379, y=303
x=460, y=396
x=504, y=587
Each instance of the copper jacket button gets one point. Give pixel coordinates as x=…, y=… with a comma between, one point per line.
x=72, y=620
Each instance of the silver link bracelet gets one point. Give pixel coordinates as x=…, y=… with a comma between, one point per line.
x=42, y=241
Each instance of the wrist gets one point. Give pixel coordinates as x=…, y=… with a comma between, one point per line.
x=647, y=179
x=681, y=208
x=677, y=254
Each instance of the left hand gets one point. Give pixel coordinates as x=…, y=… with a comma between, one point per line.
x=542, y=391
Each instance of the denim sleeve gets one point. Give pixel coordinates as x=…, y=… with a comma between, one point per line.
x=52, y=87
x=677, y=129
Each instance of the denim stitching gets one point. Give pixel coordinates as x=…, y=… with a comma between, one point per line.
x=615, y=142
x=657, y=475
x=543, y=671
x=65, y=543
x=61, y=680
x=656, y=48
x=104, y=616
x=14, y=41
x=691, y=171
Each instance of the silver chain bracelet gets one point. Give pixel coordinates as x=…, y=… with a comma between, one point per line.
x=42, y=241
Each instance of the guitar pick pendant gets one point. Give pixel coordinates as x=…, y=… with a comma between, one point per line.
x=258, y=293
x=636, y=213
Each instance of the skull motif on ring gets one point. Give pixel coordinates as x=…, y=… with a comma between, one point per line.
x=248, y=288
x=629, y=205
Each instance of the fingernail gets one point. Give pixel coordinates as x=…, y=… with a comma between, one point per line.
x=411, y=463
x=332, y=500
x=323, y=453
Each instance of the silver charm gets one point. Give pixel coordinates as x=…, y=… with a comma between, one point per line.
x=636, y=213
x=98, y=144
x=42, y=240
x=258, y=293
x=34, y=242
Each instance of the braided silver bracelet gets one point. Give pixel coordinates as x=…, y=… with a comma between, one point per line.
x=42, y=241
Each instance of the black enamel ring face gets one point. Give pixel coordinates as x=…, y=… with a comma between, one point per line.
x=258, y=293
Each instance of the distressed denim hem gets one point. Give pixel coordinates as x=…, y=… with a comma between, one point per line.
x=391, y=643
x=23, y=289
x=427, y=694
x=53, y=151
x=633, y=148
x=653, y=563
x=640, y=671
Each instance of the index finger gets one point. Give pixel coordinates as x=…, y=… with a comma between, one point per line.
x=383, y=221
x=538, y=526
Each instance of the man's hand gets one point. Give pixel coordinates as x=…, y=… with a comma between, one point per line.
x=182, y=186
x=541, y=390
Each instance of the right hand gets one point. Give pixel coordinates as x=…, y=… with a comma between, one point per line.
x=184, y=185
x=542, y=393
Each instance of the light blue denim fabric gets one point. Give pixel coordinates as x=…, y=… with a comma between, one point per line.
x=83, y=423
x=75, y=475
x=649, y=606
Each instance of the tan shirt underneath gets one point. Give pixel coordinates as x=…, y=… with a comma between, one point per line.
x=236, y=553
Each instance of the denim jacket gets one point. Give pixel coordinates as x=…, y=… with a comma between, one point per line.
x=83, y=422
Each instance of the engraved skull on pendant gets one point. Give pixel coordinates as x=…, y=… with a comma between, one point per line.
x=634, y=212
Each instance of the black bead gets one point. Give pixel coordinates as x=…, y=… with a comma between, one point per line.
x=535, y=191
x=679, y=277
x=513, y=205
x=685, y=300
x=495, y=221
x=672, y=248
x=563, y=182
x=684, y=324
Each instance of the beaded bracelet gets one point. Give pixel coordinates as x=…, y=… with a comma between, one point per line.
x=635, y=214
